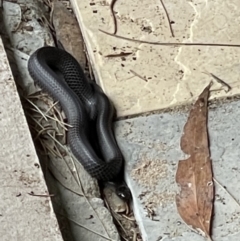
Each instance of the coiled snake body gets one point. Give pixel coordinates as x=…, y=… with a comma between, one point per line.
x=89, y=112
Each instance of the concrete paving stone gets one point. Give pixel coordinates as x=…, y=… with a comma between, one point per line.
x=151, y=147
x=173, y=75
x=22, y=216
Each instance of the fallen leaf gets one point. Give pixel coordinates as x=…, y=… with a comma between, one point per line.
x=194, y=175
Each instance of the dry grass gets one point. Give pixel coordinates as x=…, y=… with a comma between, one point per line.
x=48, y=128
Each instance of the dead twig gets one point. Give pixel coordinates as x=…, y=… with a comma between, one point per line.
x=113, y=16
x=42, y=132
x=40, y=195
x=168, y=18
x=225, y=189
x=220, y=81
x=169, y=44
x=138, y=75
x=48, y=23
x=122, y=54
x=37, y=108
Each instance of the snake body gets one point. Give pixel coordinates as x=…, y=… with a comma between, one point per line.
x=89, y=112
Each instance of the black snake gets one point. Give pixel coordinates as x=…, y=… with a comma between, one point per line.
x=89, y=113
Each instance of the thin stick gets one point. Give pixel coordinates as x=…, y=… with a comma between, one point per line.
x=42, y=131
x=233, y=198
x=168, y=18
x=52, y=151
x=37, y=95
x=113, y=16
x=118, y=55
x=61, y=122
x=115, y=216
x=169, y=44
x=48, y=110
x=219, y=81
x=36, y=107
x=138, y=75
x=40, y=195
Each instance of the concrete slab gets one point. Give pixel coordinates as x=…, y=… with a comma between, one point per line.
x=156, y=77
x=22, y=214
x=151, y=146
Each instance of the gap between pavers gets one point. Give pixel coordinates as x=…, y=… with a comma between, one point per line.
x=91, y=214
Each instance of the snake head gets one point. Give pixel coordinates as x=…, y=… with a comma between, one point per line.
x=124, y=192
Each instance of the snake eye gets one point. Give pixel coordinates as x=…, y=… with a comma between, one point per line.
x=123, y=192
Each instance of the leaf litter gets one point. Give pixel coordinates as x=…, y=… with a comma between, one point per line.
x=194, y=175
x=52, y=146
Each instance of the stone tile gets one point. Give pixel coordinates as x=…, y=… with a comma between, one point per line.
x=151, y=147
x=22, y=216
x=174, y=74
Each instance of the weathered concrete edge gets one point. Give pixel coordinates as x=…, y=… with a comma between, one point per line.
x=23, y=216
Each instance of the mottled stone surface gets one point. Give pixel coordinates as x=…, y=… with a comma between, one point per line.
x=173, y=75
x=151, y=146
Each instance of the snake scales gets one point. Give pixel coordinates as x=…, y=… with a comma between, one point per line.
x=89, y=112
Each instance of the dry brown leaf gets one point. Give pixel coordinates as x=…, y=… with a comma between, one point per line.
x=194, y=175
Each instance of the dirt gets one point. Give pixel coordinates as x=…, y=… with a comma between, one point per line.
x=148, y=172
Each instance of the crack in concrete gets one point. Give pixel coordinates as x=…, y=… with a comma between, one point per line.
x=186, y=70
x=195, y=20
x=175, y=93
